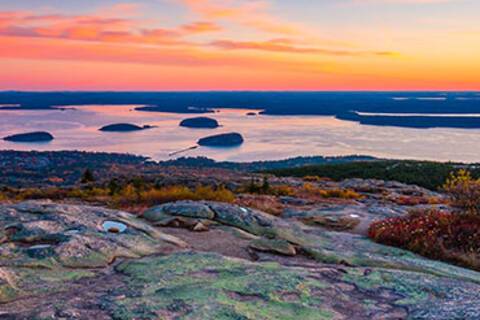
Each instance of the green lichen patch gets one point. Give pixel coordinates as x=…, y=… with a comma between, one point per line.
x=192, y=285
x=209, y=286
x=424, y=295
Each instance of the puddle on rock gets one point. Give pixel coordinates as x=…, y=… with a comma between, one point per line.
x=72, y=232
x=40, y=246
x=114, y=226
x=40, y=251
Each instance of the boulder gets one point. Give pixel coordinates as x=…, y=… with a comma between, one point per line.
x=39, y=136
x=222, y=140
x=323, y=246
x=281, y=247
x=200, y=122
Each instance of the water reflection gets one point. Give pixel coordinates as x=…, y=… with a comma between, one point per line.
x=114, y=226
x=266, y=137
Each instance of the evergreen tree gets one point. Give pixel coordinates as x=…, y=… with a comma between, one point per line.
x=87, y=176
x=265, y=185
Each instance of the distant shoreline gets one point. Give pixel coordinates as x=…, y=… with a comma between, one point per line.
x=27, y=169
x=358, y=107
x=205, y=162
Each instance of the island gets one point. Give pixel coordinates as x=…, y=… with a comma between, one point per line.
x=124, y=127
x=222, y=140
x=200, y=122
x=38, y=136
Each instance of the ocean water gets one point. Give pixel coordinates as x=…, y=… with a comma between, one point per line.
x=266, y=137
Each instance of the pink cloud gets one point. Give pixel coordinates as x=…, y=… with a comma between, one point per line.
x=252, y=14
x=94, y=27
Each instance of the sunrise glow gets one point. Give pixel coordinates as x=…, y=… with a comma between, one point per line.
x=240, y=45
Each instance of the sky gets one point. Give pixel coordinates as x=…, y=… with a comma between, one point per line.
x=190, y=45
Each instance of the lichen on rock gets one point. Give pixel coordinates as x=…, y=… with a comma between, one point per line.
x=37, y=247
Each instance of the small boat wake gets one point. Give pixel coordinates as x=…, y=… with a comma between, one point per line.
x=182, y=151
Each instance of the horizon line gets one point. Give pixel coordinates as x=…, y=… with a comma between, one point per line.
x=243, y=91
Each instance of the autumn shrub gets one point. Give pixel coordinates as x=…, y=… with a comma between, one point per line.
x=409, y=200
x=309, y=188
x=128, y=195
x=220, y=194
x=282, y=190
x=435, y=234
x=463, y=192
x=404, y=200
x=340, y=193
x=39, y=193
x=315, y=179
x=175, y=193
x=165, y=194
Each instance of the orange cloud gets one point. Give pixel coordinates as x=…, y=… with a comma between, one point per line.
x=60, y=50
x=201, y=27
x=224, y=45
x=112, y=29
x=96, y=28
x=285, y=45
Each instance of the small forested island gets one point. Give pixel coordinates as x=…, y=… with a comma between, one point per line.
x=38, y=136
x=222, y=140
x=124, y=127
x=200, y=122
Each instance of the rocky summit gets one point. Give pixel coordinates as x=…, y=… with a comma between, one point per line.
x=210, y=260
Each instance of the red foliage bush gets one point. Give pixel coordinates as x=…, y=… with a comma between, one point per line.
x=434, y=234
x=404, y=200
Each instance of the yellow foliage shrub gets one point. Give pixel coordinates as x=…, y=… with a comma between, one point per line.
x=166, y=194
x=331, y=193
x=208, y=193
x=463, y=191
x=282, y=190
x=177, y=193
x=312, y=178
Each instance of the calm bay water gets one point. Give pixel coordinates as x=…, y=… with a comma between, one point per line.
x=267, y=137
